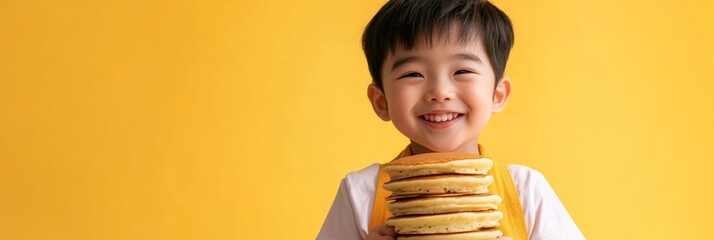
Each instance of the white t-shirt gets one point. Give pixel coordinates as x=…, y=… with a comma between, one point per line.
x=545, y=215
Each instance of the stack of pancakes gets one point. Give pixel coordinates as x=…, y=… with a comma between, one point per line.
x=442, y=196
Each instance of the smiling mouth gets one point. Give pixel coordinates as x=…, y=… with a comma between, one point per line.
x=440, y=117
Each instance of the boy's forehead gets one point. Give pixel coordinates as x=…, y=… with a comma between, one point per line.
x=441, y=40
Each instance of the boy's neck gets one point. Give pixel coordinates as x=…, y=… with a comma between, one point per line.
x=469, y=147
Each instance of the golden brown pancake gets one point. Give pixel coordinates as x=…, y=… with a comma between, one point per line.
x=483, y=234
x=445, y=222
x=394, y=197
x=439, y=184
x=436, y=205
x=437, y=163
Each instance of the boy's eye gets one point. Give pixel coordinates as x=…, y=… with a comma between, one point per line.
x=462, y=71
x=413, y=74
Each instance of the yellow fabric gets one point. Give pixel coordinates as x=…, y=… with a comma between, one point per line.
x=512, y=225
x=379, y=210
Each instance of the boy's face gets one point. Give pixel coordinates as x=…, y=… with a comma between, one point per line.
x=439, y=96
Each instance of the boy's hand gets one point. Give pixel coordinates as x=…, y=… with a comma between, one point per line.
x=382, y=232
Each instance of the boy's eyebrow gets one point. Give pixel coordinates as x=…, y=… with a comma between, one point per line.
x=402, y=61
x=462, y=56
x=468, y=56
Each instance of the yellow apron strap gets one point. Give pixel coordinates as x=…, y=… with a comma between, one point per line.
x=379, y=209
x=513, y=222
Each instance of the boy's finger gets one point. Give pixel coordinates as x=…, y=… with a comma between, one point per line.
x=385, y=238
x=385, y=230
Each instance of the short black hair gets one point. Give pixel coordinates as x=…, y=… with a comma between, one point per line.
x=401, y=22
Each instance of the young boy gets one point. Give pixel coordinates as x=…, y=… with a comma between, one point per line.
x=437, y=69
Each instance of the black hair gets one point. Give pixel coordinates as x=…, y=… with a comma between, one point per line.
x=401, y=22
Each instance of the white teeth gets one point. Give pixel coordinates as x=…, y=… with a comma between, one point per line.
x=441, y=117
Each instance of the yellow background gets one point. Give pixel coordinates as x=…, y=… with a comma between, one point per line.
x=238, y=119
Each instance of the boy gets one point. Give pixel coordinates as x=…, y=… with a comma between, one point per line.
x=437, y=69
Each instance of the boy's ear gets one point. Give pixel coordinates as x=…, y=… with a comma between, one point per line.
x=500, y=95
x=379, y=101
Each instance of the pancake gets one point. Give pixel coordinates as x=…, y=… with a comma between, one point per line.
x=439, y=184
x=445, y=223
x=436, y=205
x=437, y=163
x=484, y=234
x=394, y=197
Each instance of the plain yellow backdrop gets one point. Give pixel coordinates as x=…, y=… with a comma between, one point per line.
x=238, y=119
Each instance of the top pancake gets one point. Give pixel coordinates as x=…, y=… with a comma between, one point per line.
x=435, y=157
x=437, y=163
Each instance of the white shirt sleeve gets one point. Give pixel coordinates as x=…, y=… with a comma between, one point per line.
x=545, y=215
x=352, y=208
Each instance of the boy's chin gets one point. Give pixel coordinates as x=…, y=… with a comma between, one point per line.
x=435, y=147
x=442, y=149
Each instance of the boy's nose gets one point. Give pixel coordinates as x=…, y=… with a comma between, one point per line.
x=439, y=98
x=439, y=92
